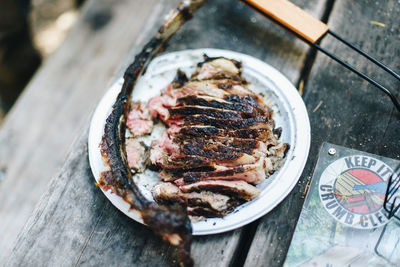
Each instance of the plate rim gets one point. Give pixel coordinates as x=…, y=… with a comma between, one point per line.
x=288, y=90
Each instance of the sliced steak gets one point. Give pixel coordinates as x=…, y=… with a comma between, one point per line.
x=217, y=68
x=221, y=140
x=168, y=192
x=137, y=154
x=207, y=101
x=218, y=152
x=183, y=111
x=238, y=189
x=179, y=164
x=243, y=145
x=139, y=120
x=232, y=124
x=251, y=173
x=260, y=134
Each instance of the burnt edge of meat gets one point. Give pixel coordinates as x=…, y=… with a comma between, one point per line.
x=239, y=195
x=233, y=142
x=168, y=222
x=252, y=101
x=237, y=78
x=238, y=65
x=206, y=59
x=209, y=212
x=205, y=212
x=286, y=150
x=164, y=221
x=183, y=202
x=234, y=124
x=259, y=134
x=192, y=177
x=187, y=162
x=225, y=86
x=278, y=132
x=212, y=112
x=217, y=152
x=177, y=172
x=180, y=79
x=194, y=100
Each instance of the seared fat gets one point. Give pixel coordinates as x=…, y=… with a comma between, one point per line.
x=220, y=143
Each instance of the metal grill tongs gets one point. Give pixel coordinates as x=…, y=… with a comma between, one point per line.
x=311, y=30
x=387, y=247
x=392, y=197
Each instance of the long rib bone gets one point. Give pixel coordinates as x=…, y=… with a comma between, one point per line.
x=171, y=223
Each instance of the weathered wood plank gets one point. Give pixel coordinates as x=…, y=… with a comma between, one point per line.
x=108, y=237
x=352, y=112
x=75, y=224
x=56, y=104
x=234, y=26
x=222, y=34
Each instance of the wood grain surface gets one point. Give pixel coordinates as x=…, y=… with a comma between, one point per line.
x=343, y=109
x=75, y=224
x=55, y=106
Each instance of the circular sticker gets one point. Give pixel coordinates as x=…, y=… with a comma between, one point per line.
x=352, y=189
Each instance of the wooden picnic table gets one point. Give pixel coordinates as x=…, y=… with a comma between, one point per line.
x=51, y=214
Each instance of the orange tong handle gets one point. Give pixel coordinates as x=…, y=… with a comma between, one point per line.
x=292, y=17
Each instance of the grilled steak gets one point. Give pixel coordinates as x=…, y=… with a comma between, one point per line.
x=238, y=189
x=251, y=173
x=168, y=192
x=220, y=143
x=261, y=134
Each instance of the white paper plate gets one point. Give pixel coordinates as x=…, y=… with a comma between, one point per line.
x=289, y=113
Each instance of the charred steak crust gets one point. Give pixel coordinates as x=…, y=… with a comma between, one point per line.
x=210, y=131
x=234, y=124
x=183, y=111
x=203, y=102
x=221, y=140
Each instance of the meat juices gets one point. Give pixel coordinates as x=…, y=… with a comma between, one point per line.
x=220, y=142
